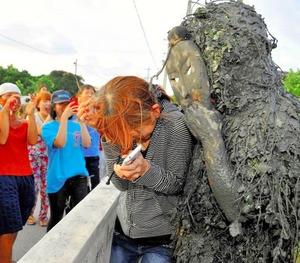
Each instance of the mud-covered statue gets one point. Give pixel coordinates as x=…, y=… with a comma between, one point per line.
x=241, y=202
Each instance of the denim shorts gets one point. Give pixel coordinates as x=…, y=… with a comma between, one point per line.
x=16, y=202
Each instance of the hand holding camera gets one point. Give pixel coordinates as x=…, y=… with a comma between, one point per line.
x=132, y=155
x=12, y=104
x=74, y=102
x=31, y=106
x=71, y=109
x=133, y=166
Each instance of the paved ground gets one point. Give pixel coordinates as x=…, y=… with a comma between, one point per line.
x=28, y=237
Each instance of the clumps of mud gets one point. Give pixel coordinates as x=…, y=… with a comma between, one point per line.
x=261, y=130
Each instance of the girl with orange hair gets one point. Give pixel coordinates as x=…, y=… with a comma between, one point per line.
x=39, y=158
x=126, y=114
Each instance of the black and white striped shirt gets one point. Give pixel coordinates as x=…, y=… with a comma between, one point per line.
x=145, y=205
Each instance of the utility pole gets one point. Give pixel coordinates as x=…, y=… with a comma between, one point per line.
x=77, y=83
x=148, y=74
x=75, y=63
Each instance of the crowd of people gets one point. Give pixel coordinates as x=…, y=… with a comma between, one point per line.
x=46, y=151
x=55, y=151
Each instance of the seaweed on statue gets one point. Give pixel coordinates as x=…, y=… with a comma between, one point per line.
x=241, y=199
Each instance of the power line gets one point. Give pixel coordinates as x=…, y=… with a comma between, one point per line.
x=24, y=44
x=88, y=69
x=45, y=52
x=144, y=33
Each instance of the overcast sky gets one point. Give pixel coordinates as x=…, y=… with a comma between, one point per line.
x=106, y=37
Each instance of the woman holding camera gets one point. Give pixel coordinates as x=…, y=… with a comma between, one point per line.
x=127, y=114
x=16, y=180
x=66, y=174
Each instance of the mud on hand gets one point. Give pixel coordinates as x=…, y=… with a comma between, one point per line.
x=205, y=124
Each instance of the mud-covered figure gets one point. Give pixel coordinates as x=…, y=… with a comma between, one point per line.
x=241, y=202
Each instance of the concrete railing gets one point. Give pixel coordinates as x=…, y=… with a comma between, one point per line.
x=84, y=235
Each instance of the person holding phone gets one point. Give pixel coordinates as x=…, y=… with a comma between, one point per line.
x=16, y=180
x=127, y=113
x=66, y=174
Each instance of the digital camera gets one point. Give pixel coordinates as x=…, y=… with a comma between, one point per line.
x=25, y=100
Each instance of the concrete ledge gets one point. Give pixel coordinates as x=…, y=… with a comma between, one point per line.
x=84, y=235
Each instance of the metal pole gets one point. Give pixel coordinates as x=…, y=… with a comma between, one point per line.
x=75, y=63
x=148, y=73
x=77, y=82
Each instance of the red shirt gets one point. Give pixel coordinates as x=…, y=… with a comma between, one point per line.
x=14, y=158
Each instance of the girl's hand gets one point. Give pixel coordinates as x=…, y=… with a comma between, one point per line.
x=83, y=109
x=69, y=111
x=12, y=103
x=31, y=106
x=134, y=170
x=86, y=112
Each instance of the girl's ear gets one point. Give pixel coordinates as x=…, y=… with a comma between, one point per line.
x=156, y=110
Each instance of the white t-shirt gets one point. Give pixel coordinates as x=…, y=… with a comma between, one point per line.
x=38, y=119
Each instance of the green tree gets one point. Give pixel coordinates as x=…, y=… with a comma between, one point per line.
x=292, y=82
x=29, y=84
x=65, y=80
x=44, y=80
x=22, y=78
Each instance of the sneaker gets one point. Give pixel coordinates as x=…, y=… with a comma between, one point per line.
x=43, y=222
x=31, y=220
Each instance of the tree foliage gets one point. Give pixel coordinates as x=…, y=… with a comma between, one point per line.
x=44, y=81
x=292, y=82
x=29, y=84
x=65, y=80
x=22, y=78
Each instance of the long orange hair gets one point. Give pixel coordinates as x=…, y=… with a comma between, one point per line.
x=123, y=105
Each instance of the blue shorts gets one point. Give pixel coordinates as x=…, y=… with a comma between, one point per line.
x=16, y=202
